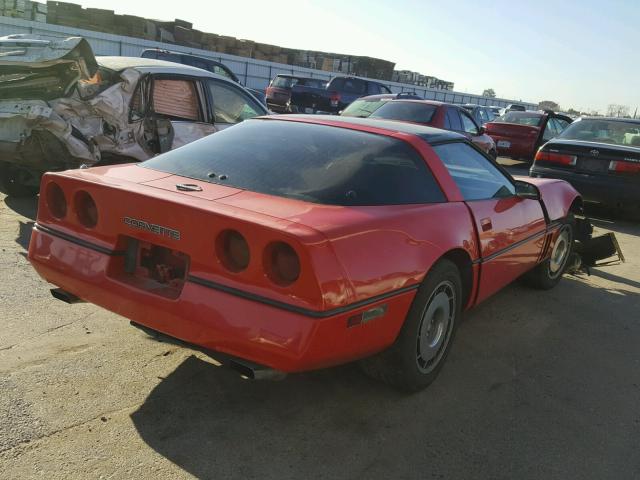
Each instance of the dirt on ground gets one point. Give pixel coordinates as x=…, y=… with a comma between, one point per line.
x=538, y=385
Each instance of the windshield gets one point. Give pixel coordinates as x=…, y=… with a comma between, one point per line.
x=362, y=108
x=615, y=132
x=406, y=111
x=316, y=163
x=521, y=118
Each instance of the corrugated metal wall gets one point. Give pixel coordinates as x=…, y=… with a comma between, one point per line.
x=253, y=73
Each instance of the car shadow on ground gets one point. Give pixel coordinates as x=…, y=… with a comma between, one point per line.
x=515, y=392
x=25, y=206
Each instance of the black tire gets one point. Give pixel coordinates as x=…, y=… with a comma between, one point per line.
x=547, y=274
x=493, y=154
x=438, y=304
x=16, y=182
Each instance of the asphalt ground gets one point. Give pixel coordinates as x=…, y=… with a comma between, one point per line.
x=539, y=385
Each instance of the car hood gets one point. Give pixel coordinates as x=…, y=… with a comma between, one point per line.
x=33, y=67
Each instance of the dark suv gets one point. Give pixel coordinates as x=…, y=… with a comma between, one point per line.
x=279, y=90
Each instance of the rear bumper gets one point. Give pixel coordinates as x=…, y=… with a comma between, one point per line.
x=606, y=189
x=517, y=148
x=218, y=320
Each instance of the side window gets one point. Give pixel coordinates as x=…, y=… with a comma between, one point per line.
x=176, y=99
x=353, y=85
x=468, y=124
x=476, y=177
x=373, y=88
x=384, y=89
x=550, y=130
x=230, y=104
x=169, y=57
x=453, y=119
x=561, y=124
x=484, y=116
x=217, y=69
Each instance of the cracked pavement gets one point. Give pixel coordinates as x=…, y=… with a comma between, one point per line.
x=538, y=385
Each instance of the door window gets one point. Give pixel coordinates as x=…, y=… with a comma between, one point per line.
x=484, y=116
x=468, y=125
x=453, y=120
x=176, y=99
x=550, y=130
x=476, y=177
x=230, y=104
x=353, y=85
x=373, y=88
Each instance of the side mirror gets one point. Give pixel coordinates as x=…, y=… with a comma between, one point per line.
x=527, y=190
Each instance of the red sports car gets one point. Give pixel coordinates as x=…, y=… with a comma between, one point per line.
x=408, y=107
x=301, y=242
x=519, y=134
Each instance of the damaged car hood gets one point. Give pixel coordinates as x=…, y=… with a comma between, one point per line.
x=39, y=68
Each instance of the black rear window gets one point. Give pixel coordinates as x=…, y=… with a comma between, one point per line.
x=406, y=111
x=315, y=163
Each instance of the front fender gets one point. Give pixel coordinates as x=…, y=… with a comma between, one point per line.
x=556, y=195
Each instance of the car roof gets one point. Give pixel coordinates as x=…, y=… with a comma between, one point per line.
x=151, y=65
x=394, y=97
x=429, y=134
x=612, y=119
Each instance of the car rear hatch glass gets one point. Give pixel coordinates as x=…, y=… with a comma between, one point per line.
x=310, y=162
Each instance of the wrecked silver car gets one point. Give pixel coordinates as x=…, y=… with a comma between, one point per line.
x=61, y=107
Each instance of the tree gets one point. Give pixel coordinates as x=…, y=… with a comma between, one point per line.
x=548, y=105
x=489, y=92
x=618, y=110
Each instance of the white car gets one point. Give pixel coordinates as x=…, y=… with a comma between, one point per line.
x=61, y=107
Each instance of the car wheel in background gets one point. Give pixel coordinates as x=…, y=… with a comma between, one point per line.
x=548, y=273
x=422, y=346
x=18, y=182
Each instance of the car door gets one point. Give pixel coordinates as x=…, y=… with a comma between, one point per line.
x=171, y=110
x=511, y=229
x=230, y=104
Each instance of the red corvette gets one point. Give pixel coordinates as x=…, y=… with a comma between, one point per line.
x=301, y=242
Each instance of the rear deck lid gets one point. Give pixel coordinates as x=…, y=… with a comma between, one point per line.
x=34, y=67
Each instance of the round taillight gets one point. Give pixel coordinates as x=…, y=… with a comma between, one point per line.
x=233, y=250
x=56, y=202
x=282, y=263
x=86, y=209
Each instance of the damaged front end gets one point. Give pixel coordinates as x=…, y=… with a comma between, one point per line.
x=58, y=110
x=590, y=251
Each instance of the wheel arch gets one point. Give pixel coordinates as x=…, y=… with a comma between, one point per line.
x=461, y=259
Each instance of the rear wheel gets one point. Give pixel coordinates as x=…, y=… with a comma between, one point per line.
x=548, y=273
x=419, y=352
x=18, y=182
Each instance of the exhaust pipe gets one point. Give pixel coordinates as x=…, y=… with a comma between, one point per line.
x=65, y=296
x=246, y=369
x=253, y=371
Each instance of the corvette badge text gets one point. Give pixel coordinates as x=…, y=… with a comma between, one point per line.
x=152, y=227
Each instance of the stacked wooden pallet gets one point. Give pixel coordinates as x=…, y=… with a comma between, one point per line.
x=181, y=32
x=24, y=9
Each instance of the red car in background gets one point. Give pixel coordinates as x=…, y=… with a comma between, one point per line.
x=300, y=242
x=408, y=107
x=519, y=134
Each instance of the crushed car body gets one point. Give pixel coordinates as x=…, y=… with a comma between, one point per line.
x=61, y=107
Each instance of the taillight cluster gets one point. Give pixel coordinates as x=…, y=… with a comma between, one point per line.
x=624, y=167
x=83, y=205
x=334, y=99
x=280, y=261
x=562, y=159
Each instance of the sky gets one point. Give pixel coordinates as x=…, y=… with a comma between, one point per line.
x=582, y=54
